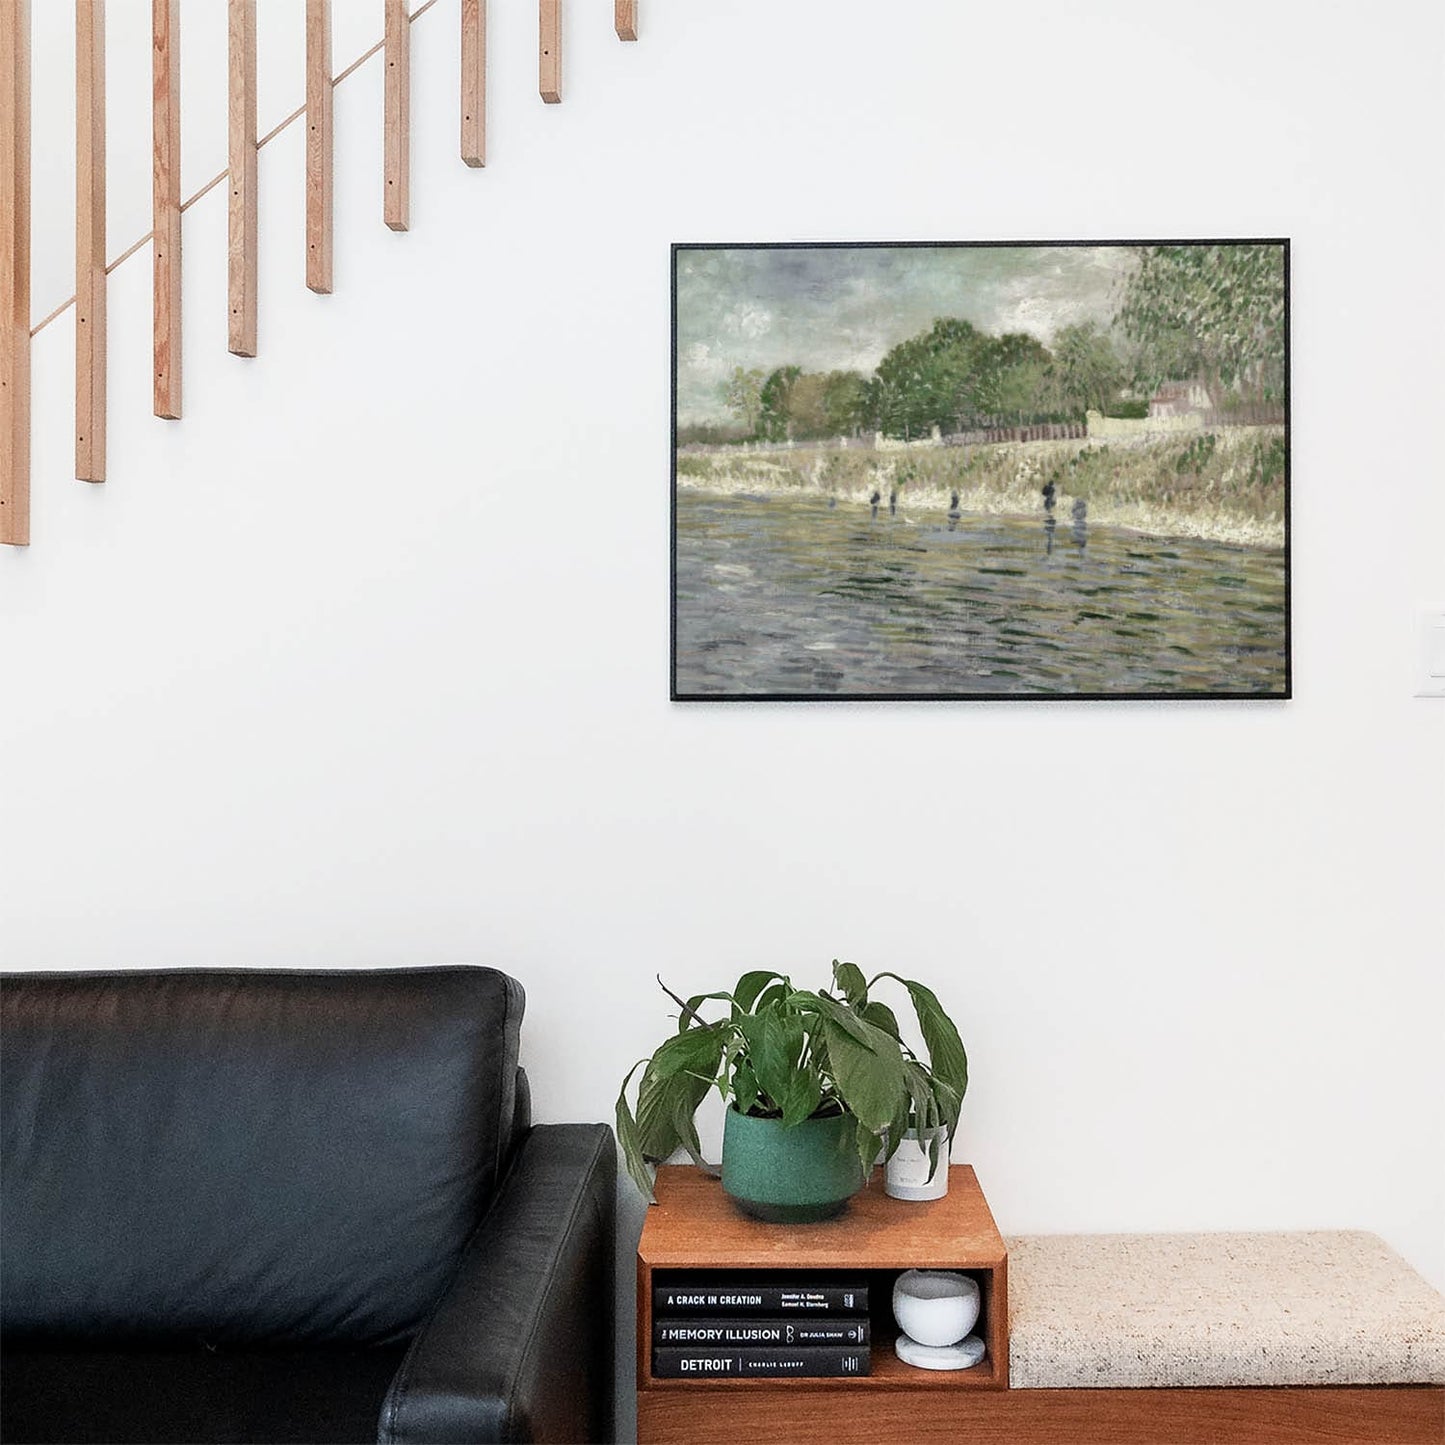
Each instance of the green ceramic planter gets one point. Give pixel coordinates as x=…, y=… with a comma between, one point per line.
x=791, y=1176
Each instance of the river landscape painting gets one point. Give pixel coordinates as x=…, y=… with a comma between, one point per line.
x=981, y=471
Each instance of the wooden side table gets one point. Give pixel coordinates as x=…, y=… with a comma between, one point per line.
x=694, y=1226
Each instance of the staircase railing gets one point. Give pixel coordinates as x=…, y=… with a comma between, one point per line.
x=169, y=207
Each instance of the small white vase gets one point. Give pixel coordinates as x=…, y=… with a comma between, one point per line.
x=905, y=1176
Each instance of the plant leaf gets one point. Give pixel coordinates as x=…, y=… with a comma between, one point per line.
x=922, y=1106
x=775, y=1047
x=678, y=1075
x=869, y=1076
x=818, y=1056
x=696, y=1050
x=688, y=1015
x=935, y=1150
x=657, y=1137
x=840, y=1015
x=946, y=1053
x=774, y=993
x=685, y=1127
x=867, y=1142
x=660, y=1104
x=686, y=1011
x=949, y=1104
x=750, y=985
x=881, y=1016
x=690, y=1018
x=630, y=1138
x=803, y=1095
x=848, y=979
x=745, y=1087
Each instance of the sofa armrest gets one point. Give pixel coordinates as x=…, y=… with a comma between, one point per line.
x=520, y=1346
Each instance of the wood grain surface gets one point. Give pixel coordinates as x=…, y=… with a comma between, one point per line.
x=696, y=1226
x=242, y=220
x=845, y=1415
x=319, y=147
x=549, y=50
x=396, y=102
x=15, y=272
x=166, y=204
x=90, y=287
x=474, y=82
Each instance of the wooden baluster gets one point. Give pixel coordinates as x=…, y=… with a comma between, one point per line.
x=549, y=50
x=397, y=107
x=242, y=218
x=166, y=204
x=90, y=296
x=625, y=19
x=474, y=82
x=318, y=146
x=15, y=272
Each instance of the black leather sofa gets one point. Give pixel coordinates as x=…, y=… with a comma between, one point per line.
x=293, y=1206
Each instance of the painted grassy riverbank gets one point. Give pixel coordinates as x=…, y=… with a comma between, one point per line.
x=1226, y=485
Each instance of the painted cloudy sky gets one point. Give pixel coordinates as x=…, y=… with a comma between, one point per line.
x=828, y=309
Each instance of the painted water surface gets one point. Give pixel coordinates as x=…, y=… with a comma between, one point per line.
x=793, y=596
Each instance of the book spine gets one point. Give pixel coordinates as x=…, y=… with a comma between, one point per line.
x=788, y=1331
x=744, y=1299
x=817, y=1361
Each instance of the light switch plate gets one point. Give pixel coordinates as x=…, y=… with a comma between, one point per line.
x=1432, y=655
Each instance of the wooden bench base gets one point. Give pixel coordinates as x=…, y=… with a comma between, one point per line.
x=1275, y=1415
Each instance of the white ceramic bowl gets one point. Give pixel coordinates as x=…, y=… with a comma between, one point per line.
x=935, y=1306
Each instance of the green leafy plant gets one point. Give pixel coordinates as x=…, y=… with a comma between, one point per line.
x=780, y=1052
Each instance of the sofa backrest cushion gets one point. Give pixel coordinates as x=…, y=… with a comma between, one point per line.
x=246, y=1156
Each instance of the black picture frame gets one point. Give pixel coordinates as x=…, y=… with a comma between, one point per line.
x=680, y=692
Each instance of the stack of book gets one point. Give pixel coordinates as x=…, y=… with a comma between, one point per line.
x=746, y=1328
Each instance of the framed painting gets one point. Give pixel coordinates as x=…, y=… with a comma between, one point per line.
x=981, y=471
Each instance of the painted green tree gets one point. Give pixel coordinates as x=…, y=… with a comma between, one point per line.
x=827, y=404
x=918, y=384
x=1215, y=314
x=774, y=403
x=1010, y=379
x=955, y=376
x=743, y=396
x=1087, y=373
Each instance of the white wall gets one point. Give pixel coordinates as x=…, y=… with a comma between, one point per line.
x=365, y=661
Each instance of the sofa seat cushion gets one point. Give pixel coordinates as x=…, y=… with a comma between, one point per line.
x=317, y=1396
x=1320, y=1308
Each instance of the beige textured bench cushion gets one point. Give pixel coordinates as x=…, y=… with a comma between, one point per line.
x=1110, y=1310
